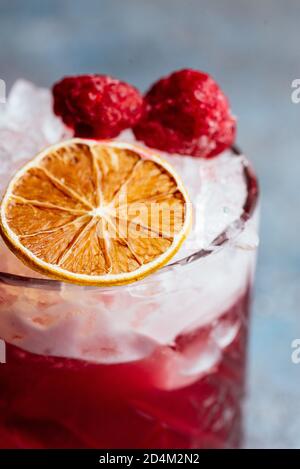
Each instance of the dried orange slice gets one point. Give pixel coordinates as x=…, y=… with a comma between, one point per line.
x=95, y=212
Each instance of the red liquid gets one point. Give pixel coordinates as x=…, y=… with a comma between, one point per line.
x=48, y=402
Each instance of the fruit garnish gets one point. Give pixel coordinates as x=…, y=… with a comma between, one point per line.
x=187, y=113
x=95, y=212
x=97, y=106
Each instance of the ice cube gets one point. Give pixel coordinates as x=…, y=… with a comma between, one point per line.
x=27, y=125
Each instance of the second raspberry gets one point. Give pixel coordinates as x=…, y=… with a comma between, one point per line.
x=187, y=113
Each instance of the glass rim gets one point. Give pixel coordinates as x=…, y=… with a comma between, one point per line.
x=232, y=230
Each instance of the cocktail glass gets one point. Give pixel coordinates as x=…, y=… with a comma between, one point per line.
x=156, y=364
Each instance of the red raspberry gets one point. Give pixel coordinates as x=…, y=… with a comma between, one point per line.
x=97, y=106
x=187, y=113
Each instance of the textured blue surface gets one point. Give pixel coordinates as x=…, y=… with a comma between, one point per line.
x=252, y=48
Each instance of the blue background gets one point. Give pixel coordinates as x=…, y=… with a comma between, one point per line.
x=252, y=49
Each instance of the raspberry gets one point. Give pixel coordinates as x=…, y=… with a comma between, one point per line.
x=187, y=113
x=97, y=106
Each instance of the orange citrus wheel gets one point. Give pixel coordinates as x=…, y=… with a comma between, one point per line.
x=95, y=212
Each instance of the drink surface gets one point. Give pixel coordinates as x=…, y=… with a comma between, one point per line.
x=159, y=363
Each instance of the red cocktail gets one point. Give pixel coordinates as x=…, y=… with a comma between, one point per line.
x=49, y=402
x=155, y=364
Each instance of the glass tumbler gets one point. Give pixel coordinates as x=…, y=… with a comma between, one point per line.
x=156, y=364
